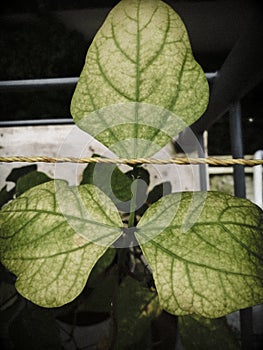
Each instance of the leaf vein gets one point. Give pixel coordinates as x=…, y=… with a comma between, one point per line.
x=175, y=256
x=107, y=80
x=119, y=46
x=162, y=46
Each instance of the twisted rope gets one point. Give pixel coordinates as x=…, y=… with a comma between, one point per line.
x=133, y=161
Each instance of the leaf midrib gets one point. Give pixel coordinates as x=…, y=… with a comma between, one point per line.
x=60, y=215
x=64, y=252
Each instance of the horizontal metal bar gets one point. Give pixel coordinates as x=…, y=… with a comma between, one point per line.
x=6, y=85
x=36, y=122
x=226, y=170
x=40, y=83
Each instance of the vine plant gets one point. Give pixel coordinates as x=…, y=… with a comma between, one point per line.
x=135, y=251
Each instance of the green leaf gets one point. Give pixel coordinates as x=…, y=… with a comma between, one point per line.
x=140, y=85
x=205, y=250
x=199, y=333
x=50, y=247
x=16, y=173
x=156, y=193
x=139, y=173
x=24, y=178
x=160, y=190
x=30, y=180
x=136, y=308
x=110, y=179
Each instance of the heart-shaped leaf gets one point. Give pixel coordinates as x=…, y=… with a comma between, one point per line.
x=210, y=265
x=30, y=180
x=40, y=245
x=140, y=84
x=110, y=179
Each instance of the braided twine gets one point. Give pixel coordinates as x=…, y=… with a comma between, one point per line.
x=133, y=161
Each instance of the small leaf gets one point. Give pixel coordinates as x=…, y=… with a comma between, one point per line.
x=159, y=191
x=110, y=179
x=199, y=333
x=30, y=180
x=39, y=245
x=140, y=85
x=205, y=250
x=156, y=193
x=16, y=173
x=139, y=173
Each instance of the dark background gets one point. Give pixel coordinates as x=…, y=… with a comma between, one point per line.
x=50, y=38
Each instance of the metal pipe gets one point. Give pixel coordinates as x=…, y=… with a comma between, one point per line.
x=7, y=85
x=237, y=149
x=202, y=167
x=26, y=84
x=246, y=315
x=36, y=122
x=257, y=180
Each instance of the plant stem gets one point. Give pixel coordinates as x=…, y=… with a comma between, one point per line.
x=131, y=221
x=122, y=256
x=132, y=215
